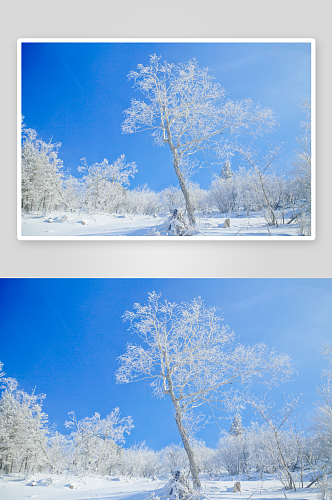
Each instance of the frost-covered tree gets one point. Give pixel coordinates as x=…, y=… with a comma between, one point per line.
x=265, y=187
x=142, y=200
x=23, y=430
x=192, y=358
x=105, y=184
x=232, y=454
x=323, y=417
x=302, y=171
x=204, y=456
x=226, y=171
x=223, y=194
x=280, y=444
x=73, y=192
x=41, y=173
x=236, y=428
x=172, y=197
x=139, y=460
x=174, y=455
x=188, y=111
x=322, y=426
x=60, y=452
x=97, y=440
x=198, y=196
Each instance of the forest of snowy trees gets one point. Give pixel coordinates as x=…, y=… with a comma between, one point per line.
x=276, y=443
x=190, y=114
x=258, y=186
x=104, y=187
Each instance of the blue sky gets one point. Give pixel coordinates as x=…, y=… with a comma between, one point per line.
x=75, y=93
x=63, y=337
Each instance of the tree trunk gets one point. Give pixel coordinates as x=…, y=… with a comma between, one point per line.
x=183, y=434
x=176, y=164
x=187, y=447
x=274, y=221
x=291, y=483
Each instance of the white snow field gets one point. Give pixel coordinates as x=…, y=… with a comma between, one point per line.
x=62, y=487
x=65, y=225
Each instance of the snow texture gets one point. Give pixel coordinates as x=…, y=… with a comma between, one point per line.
x=15, y=487
x=64, y=225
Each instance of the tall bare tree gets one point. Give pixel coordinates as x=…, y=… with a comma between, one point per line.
x=191, y=357
x=188, y=111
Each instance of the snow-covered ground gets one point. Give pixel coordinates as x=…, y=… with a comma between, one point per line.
x=47, y=487
x=64, y=225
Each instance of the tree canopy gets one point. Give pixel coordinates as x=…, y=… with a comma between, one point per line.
x=187, y=110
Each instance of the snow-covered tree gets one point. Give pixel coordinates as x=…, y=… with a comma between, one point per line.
x=236, y=428
x=198, y=196
x=232, y=454
x=302, y=171
x=204, y=456
x=192, y=358
x=23, y=430
x=223, y=194
x=187, y=111
x=60, y=452
x=139, y=460
x=41, y=173
x=322, y=426
x=105, y=184
x=174, y=455
x=172, y=197
x=265, y=187
x=142, y=200
x=73, y=192
x=226, y=171
x=280, y=444
x=97, y=440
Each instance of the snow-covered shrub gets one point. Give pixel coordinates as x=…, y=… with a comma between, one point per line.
x=174, y=456
x=199, y=197
x=172, y=197
x=232, y=454
x=179, y=487
x=325, y=491
x=177, y=223
x=204, y=456
x=139, y=460
x=223, y=194
x=269, y=452
x=142, y=200
x=304, y=221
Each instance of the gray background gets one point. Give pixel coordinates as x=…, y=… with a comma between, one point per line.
x=164, y=18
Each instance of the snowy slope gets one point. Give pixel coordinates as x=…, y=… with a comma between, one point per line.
x=62, y=225
x=46, y=487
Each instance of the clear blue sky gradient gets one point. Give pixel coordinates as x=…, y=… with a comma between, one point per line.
x=63, y=337
x=75, y=93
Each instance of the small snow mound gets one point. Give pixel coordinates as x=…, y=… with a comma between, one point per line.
x=33, y=483
x=45, y=482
